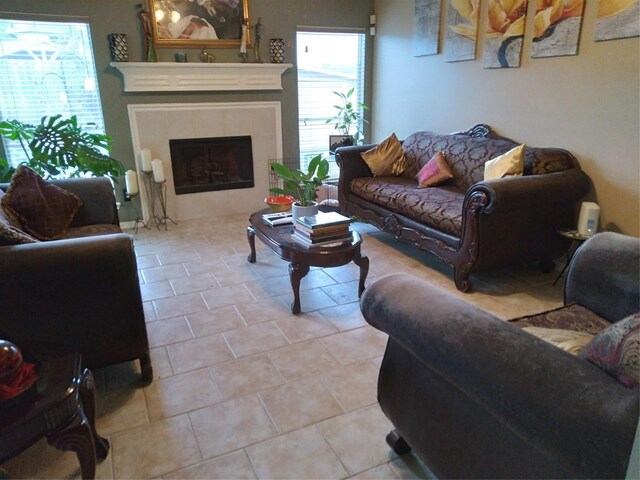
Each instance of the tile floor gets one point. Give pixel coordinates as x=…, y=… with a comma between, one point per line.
x=242, y=388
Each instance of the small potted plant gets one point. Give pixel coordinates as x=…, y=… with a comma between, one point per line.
x=302, y=185
x=348, y=116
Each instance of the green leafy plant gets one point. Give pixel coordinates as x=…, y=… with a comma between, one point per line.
x=301, y=185
x=348, y=118
x=58, y=147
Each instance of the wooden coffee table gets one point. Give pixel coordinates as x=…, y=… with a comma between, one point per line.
x=300, y=258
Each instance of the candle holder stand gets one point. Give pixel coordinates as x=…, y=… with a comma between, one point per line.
x=162, y=195
x=138, y=219
x=150, y=190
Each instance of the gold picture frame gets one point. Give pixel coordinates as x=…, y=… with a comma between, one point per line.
x=199, y=23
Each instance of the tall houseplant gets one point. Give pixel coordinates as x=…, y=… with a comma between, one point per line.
x=58, y=147
x=348, y=119
x=302, y=185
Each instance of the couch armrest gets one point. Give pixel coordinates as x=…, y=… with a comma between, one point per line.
x=82, y=292
x=533, y=388
x=98, y=200
x=604, y=275
x=351, y=166
x=520, y=193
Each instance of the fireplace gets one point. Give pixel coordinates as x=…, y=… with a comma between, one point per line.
x=210, y=164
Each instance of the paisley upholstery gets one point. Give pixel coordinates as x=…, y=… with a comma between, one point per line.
x=440, y=208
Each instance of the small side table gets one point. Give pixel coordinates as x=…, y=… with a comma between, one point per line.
x=577, y=239
x=61, y=407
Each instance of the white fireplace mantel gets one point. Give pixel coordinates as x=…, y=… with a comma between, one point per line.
x=182, y=77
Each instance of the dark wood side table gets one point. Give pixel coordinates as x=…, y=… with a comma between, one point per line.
x=61, y=407
x=576, y=240
x=300, y=258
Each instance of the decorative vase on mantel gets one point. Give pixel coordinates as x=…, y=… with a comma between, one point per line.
x=298, y=211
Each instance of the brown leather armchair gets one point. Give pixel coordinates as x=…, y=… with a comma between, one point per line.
x=80, y=292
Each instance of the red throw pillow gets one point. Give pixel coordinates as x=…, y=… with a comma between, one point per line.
x=435, y=172
x=41, y=208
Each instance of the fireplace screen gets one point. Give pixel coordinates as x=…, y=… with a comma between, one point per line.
x=206, y=164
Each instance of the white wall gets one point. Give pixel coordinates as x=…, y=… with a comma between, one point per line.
x=588, y=104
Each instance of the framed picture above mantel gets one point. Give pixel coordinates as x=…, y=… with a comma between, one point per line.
x=199, y=23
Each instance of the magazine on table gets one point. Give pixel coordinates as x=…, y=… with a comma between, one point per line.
x=277, y=218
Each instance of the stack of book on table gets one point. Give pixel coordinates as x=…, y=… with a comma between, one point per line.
x=322, y=230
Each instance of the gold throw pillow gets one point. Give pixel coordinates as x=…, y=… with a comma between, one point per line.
x=506, y=165
x=386, y=159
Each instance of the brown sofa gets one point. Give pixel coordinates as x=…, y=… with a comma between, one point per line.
x=82, y=290
x=469, y=223
x=477, y=397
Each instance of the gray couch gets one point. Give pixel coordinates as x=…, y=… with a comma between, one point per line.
x=81, y=291
x=477, y=397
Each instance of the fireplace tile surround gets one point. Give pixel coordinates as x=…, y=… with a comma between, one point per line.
x=153, y=125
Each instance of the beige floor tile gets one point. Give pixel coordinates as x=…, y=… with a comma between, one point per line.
x=305, y=326
x=316, y=278
x=302, y=360
x=149, y=312
x=299, y=404
x=120, y=409
x=262, y=310
x=147, y=261
x=227, y=295
x=255, y=339
x=178, y=394
x=194, y=283
x=358, y=438
x=231, y=425
x=235, y=275
x=310, y=300
x=161, y=363
x=217, y=320
x=154, y=449
x=269, y=287
x=180, y=256
x=409, y=466
x=354, y=386
x=204, y=266
x=345, y=273
x=156, y=290
x=383, y=472
x=180, y=305
x=345, y=317
x=247, y=375
x=234, y=465
x=303, y=454
x=356, y=345
x=198, y=353
x=342, y=293
x=168, y=272
x=165, y=332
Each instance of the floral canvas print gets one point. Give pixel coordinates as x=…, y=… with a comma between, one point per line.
x=617, y=19
x=426, y=27
x=462, y=30
x=505, y=30
x=557, y=28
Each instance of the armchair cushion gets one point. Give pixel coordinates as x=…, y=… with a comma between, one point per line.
x=616, y=350
x=41, y=208
x=387, y=158
x=9, y=234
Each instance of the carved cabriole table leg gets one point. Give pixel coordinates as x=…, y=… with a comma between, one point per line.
x=296, y=273
x=251, y=236
x=87, y=396
x=363, y=262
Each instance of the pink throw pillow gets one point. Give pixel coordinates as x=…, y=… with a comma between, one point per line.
x=435, y=172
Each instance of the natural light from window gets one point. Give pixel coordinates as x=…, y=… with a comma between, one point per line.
x=47, y=68
x=327, y=62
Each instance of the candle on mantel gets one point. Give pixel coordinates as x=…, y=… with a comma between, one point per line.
x=145, y=158
x=243, y=38
x=131, y=181
x=158, y=170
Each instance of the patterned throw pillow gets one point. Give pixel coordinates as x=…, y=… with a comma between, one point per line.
x=616, y=350
x=387, y=158
x=43, y=209
x=10, y=234
x=435, y=172
x=506, y=165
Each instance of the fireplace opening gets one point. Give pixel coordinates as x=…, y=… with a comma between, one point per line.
x=209, y=164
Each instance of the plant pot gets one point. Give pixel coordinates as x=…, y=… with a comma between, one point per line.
x=298, y=211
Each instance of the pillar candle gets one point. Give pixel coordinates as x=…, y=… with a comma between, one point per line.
x=132, y=182
x=158, y=171
x=145, y=158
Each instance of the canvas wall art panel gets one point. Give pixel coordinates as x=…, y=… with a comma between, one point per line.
x=426, y=27
x=617, y=19
x=557, y=28
x=462, y=30
x=504, y=33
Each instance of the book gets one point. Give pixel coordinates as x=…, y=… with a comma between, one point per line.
x=329, y=229
x=278, y=218
x=324, y=238
x=326, y=243
x=323, y=219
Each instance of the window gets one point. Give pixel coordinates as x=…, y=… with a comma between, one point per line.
x=47, y=68
x=327, y=62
